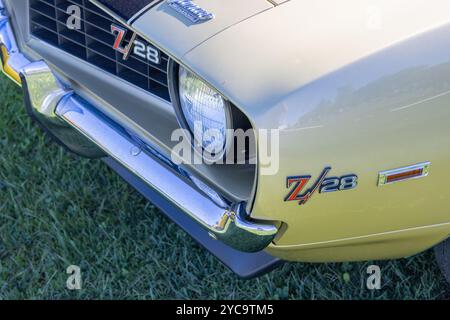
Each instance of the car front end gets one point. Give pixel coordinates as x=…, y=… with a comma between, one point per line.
x=353, y=169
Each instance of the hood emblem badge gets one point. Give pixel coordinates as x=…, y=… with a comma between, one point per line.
x=190, y=10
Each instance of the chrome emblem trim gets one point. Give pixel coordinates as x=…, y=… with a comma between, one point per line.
x=324, y=185
x=416, y=171
x=190, y=10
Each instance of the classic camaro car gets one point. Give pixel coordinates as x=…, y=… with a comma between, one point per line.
x=333, y=116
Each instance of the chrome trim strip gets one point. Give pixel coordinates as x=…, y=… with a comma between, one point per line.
x=245, y=265
x=43, y=92
x=383, y=176
x=228, y=225
x=109, y=12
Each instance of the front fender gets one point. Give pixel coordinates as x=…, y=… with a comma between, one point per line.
x=355, y=99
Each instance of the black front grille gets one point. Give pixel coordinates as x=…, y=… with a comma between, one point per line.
x=94, y=43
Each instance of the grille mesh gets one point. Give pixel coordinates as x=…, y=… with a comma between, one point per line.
x=94, y=43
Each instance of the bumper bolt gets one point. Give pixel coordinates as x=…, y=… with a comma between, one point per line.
x=135, y=151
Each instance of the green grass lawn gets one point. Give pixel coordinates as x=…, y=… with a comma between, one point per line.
x=57, y=210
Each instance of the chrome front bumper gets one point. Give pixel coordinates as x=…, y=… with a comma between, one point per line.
x=83, y=129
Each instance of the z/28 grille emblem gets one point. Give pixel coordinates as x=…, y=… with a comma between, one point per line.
x=296, y=184
x=135, y=46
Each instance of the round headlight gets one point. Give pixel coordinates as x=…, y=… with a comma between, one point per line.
x=205, y=111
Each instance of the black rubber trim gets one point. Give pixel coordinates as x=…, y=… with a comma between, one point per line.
x=245, y=265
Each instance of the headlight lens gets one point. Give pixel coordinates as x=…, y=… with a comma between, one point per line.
x=206, y=112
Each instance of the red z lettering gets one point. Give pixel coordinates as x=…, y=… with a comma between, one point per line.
x=119, y=38
x=300, y=183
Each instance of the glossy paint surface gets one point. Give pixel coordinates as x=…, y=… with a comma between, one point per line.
x=355, y=86
x=178, y=35
x=358, y=97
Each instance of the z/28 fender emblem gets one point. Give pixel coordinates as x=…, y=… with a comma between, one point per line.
x=322, y=185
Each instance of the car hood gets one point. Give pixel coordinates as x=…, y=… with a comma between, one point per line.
x=262, y=61
x=175, y=34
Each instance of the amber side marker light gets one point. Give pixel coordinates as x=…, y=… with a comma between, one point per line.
x=402, y=174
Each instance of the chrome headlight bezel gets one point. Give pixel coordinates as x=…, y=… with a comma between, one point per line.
x=173, y=72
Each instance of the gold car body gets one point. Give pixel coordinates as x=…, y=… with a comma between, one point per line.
x=355, y=85
x=350, y=87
